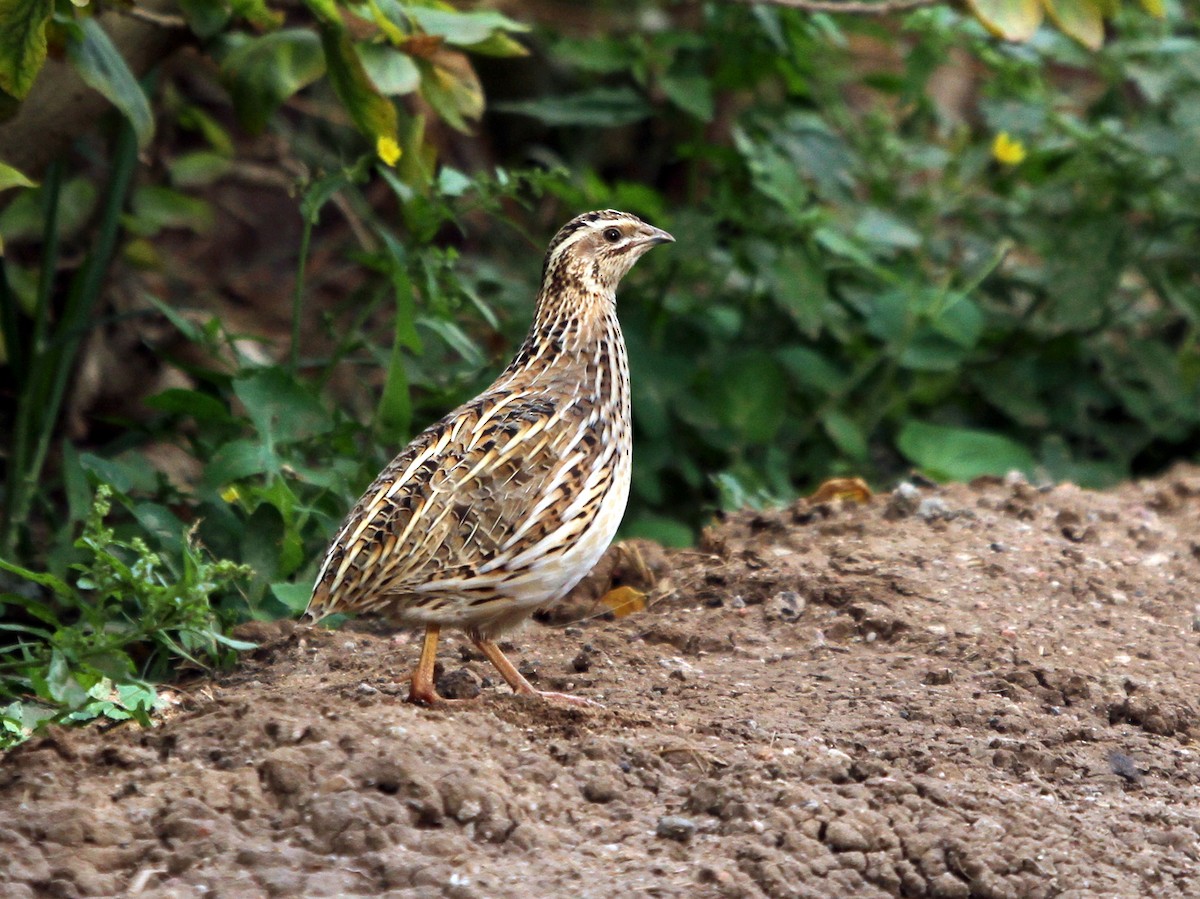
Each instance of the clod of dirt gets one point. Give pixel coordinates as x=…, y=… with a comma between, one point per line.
x=461, y=683
x=675, y=827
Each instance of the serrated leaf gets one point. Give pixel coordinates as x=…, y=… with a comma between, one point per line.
x=1078, y=19
x=280, y=407
x=103, y=69
x=959, y=454
x=22, y=43
x=1013, y=20
x=262, y=72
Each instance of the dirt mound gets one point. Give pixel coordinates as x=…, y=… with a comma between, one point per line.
x=976, y=691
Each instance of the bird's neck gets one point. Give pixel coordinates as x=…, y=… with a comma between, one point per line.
x=573, y=316
x=575, y=339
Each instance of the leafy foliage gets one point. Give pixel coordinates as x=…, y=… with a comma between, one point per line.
x=92, y=649
x=887, y=281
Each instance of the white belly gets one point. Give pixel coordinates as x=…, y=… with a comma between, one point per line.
x=553, y=575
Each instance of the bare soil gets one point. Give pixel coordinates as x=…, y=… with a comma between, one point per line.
x=985, y=690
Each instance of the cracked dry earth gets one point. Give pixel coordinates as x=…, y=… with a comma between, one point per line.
x=984, y=690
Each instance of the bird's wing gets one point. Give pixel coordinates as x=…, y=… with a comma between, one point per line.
x=466, y=503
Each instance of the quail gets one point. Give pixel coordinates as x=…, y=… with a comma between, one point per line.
x=506, y=503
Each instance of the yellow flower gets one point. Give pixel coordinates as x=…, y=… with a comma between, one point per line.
x=1008, y=151
x=387, y=149
x=231, y=494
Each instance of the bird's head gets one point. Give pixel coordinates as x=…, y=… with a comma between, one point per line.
x=598, y=248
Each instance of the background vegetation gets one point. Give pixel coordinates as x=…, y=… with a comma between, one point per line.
x=304, y=235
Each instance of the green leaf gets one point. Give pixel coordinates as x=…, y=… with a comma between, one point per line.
x=206, y=18
x=200, y=168
x=103, y=69
x=373, y=113
x=1079, y=19
x=155, y=208
x=455, y=94
x=798, y=288
x=846, y=435
x=773, y=174
x=22, y=43
x=1012, y=20
x=883, y=229
x=200, y=406
x=239, y=459
x=61, y=685
x=754, y=397
x=390, y=70
x=262, y=72
x=691, y=93
x=10, y=177
x=294, y=596
x=127, y=472
x=810, y=369
x=959, y=454
x=660, y=529
x=280, y=407
x=600, y=107
x=463, y=29
x=49, y=581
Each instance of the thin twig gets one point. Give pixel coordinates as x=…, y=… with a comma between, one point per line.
x=162, y=20
x=852, y=7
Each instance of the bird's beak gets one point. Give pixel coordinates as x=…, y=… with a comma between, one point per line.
x=652, y=237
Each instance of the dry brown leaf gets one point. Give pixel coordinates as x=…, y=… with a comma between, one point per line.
x=623, y=601
x=854, y=490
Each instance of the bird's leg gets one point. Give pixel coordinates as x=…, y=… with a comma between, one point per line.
x=422, y=690
x=516, y=680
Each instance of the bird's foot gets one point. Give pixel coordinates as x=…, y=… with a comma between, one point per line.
x=432, y=699
x=567, y=698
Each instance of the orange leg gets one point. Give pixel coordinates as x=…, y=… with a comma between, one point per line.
x=516, y=680
x=422, y=690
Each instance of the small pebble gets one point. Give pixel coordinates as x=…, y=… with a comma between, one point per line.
x=786, y=605
x=530, y=670
x=675, y=827
x=932, y=507
x=903, y=501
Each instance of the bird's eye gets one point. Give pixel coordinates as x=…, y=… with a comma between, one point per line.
x=612, y=235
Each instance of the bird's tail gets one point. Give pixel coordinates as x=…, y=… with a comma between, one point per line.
x=318, y=605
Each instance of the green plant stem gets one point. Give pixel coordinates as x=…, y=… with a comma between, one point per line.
x=298, y=293
x=53, y=360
